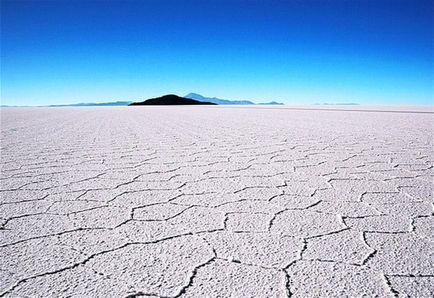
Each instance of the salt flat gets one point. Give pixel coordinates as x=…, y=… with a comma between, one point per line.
x=216, y=202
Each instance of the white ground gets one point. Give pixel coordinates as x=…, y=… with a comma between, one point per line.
x=216, y=202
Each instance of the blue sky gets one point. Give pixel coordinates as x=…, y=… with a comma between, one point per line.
x=366, y=51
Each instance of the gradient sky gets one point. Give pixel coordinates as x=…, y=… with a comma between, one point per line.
x=366, y=51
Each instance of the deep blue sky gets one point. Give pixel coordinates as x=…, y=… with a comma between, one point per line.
x=367, y=51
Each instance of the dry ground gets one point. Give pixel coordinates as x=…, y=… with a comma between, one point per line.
x=216, y=202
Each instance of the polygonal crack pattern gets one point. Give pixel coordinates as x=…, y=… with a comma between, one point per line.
x=215, y=202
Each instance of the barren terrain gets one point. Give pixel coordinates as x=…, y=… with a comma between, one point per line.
x=216, y=202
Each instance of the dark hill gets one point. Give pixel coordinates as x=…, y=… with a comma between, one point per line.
x=170, y=99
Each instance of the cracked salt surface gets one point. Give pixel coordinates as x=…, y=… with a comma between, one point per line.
x=216, y=202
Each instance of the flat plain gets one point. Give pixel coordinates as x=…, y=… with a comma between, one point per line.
x=217, y=202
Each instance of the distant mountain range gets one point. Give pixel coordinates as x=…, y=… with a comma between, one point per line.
x=194, y=96
x=220, y=101
x=93, y=104
x=170, y=99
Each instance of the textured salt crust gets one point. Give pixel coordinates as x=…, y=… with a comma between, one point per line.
x=300, y=201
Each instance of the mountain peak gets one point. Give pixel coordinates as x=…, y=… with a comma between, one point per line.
x=195, y=96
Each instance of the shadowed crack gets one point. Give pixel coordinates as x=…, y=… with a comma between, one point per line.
x=288, y=292
x=371, y=254
x=393, y=291
x=4, y=223
x=24, y=201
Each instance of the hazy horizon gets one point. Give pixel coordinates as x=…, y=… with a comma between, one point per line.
x=295, y=52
